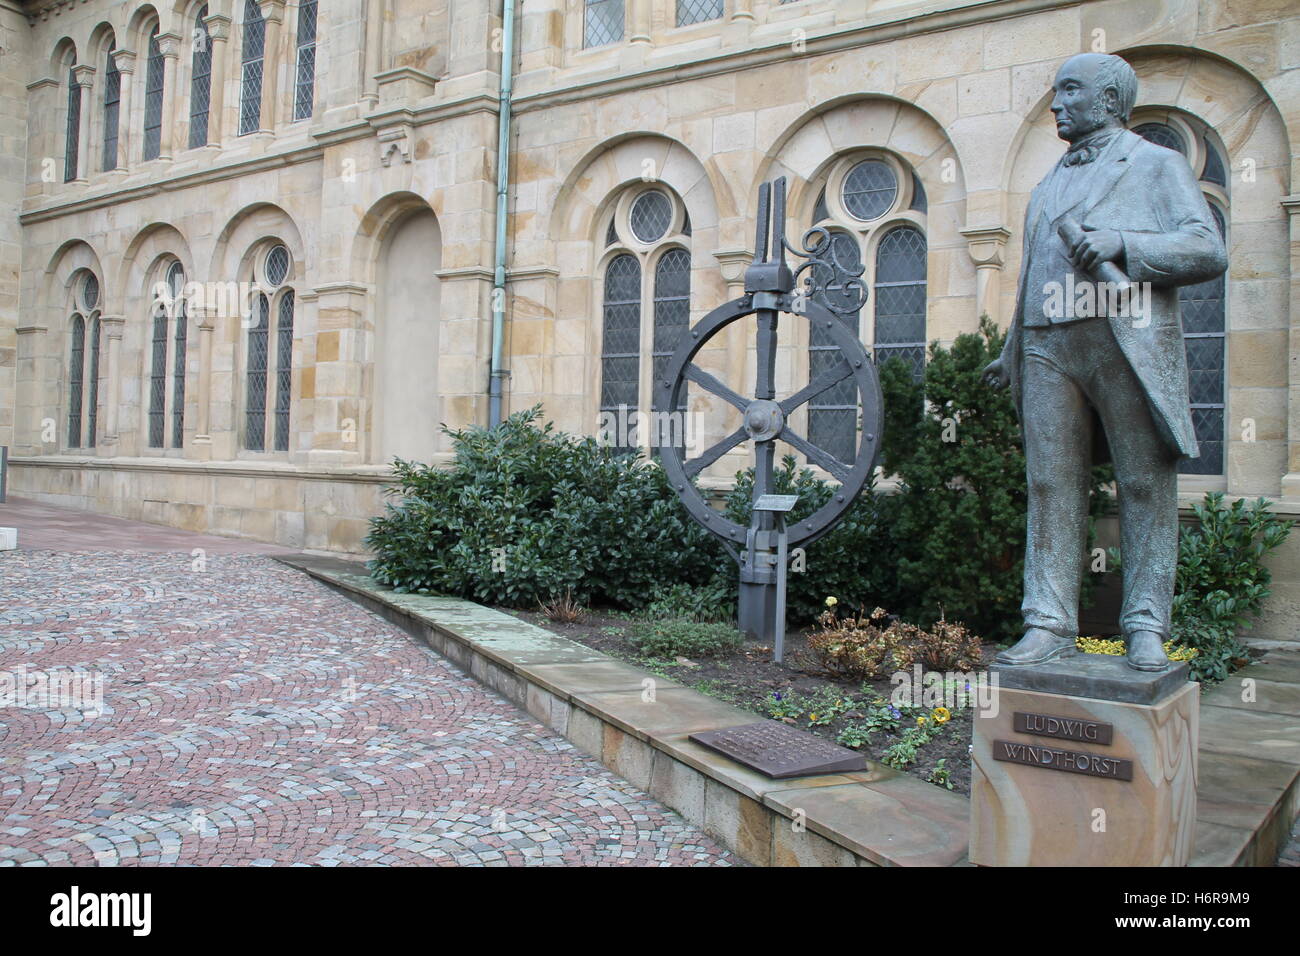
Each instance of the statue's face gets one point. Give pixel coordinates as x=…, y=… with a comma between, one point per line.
x=1078, y=105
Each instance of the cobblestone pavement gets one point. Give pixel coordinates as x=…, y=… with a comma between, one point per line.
x=251, y=716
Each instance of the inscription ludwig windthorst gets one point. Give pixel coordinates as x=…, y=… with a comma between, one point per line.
x=1071, y=761
x=1067, y=728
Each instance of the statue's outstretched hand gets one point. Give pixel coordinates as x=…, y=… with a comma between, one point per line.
x=996, y=375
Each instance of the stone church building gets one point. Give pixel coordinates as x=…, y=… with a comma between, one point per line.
x=250, y=250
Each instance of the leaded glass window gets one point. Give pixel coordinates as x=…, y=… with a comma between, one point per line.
x=76, y=366
x=90, y=291
x=277, y=265
x=200, y=81
x=176, y=280
x=255, y=394
x=158, y=378
x=153, y=98
x=652, y=214
x=283, y=370
x=672, y=309
x=92, y=385
x=1162, y=134
x=112, y=107
x=1202, y=308
x=698, y=11
x=870, y=189
x=1214, y=168
x=620, y=359
x=305, y=84
x=602, y=22
x=250, y=90
x=833, y=414
x=900, y=298
x=72, y=135
x=820, y=209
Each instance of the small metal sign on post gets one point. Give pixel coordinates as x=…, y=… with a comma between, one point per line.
x=778, y=506
x=828, y=297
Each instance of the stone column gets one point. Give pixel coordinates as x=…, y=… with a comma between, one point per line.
x=169, y=44
x=205, y=318
x=34, y=370
x=125, y=60
x=742, y=10
x=986, y=247
x=638, y=21
x=84, y=77
x=1291, y=480
x=272, y=61
x=113, y=327
x=218, y=37
x=374, y=52
x=333, y=396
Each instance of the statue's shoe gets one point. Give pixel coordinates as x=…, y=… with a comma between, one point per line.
x=1146, y=652
x=1037, y=647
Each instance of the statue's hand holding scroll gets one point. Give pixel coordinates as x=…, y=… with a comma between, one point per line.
x=1094, y=251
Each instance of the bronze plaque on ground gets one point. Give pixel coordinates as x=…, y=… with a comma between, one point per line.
x=778, y=750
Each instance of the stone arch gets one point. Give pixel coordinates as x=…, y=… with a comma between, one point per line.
x=625, y=159
x=379, y=220
x=815, y=140
x=68, y=260
x=245, y=231
x=152, y=244
x=62, y=57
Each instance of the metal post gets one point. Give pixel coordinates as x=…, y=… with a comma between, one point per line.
x=779, y=648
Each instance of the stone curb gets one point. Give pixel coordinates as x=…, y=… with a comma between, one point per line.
x=877, y=817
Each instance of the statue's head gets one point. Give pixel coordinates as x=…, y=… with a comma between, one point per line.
x=1092, y=91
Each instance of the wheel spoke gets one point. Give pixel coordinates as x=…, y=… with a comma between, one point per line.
x=711, y=384
x=823, y=459
x=832, y=376
x=697, y=465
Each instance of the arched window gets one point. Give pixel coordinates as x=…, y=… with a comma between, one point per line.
x=270, y=330
x=176, y=282
x=698, y=11
x=255, y=397
x=1202, y=305
x=620, y=355
x=83, y=362
x=672, y=316
x=92, y=383
x=153, y=98
x=833, y=415
x=200, y=81
x=602, y=22
x=112, y=104
x=250, y=88
x=305, y=85
x=900, y=297
x=158, y=375
x=646, y=310
x=76, y=367
x=72, y=134
x=869, y=202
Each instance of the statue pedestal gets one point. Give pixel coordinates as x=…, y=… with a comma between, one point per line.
x=1085, y=762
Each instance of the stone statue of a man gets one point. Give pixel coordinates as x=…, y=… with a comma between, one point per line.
x=1111, y=232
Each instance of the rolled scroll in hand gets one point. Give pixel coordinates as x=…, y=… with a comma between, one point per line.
x=1071, y=232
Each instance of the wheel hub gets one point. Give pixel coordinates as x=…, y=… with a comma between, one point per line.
x=764, y=419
